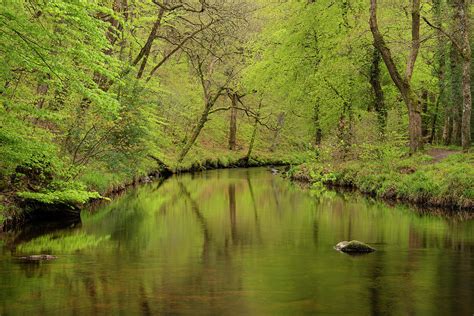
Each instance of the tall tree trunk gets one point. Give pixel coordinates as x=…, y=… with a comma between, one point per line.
x=447, y=127
x=434, y=122
x=441, y=53
x=403, y=83
x=415, y=125
x=466, y=75
x=233, y=122
x=425, y=117
x=379, y=99
x=456, y=96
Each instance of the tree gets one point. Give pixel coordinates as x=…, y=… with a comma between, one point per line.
x=403, y=82
x=216, y=58
x=462, y=46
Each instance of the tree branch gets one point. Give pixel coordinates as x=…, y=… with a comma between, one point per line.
x=449, y=36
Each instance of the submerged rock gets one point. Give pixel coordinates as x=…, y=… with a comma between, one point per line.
x=353, y=246
x=36, y=258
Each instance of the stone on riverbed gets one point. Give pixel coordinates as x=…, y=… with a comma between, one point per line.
x=353, y=246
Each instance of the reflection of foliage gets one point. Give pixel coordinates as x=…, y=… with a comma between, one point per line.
x=61, y=244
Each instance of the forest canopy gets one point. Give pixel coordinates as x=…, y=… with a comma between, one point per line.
x=97, y=93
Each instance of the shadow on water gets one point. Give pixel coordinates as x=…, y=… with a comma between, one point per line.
x=31, y=231
x=242, y=242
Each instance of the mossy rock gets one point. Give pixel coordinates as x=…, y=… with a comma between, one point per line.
x=353, y=247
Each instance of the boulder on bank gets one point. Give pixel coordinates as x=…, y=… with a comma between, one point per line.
x=353, y=247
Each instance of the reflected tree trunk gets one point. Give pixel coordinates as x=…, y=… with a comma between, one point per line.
x=255, y=209
x=232, y=213
x=201, y=220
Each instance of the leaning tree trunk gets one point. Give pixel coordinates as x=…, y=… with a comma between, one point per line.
x=146, y=49
x=196, y=131
x=403, y=83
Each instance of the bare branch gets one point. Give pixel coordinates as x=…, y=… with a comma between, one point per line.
x=449, y=36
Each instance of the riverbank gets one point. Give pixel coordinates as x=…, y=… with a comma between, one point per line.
x=422, y=179
x=65, y=204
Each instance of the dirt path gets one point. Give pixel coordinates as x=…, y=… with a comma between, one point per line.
x=439, y=154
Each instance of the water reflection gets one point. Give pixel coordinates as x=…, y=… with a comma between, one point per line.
x=243, y=242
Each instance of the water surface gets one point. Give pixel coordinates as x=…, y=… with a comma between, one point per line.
x=242, y=242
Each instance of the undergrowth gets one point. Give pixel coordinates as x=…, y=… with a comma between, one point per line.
x=392, y=175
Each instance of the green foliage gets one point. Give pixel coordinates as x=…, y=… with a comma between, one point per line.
x=416, y=179
x=68, y=197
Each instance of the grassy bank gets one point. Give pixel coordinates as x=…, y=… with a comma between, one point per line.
x=441, y=180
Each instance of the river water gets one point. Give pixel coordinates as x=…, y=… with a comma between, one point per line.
x=242, y=242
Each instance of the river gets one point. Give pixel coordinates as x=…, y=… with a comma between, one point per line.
x=242, y=242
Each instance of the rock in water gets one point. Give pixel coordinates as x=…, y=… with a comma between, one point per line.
x=37, y=258
x=353, y=246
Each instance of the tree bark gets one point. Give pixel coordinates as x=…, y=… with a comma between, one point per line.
x=466, y=75
x=403, y=83
x=434, y=121
x=379, y=99
x=441, y=53
x=145, y=51
x=196, y=131
x=456, y=96
x=233, y=122
x=425, y=117
x=254, y=133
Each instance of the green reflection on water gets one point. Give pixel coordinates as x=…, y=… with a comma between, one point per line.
x=245, y=242
x=61, y=243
